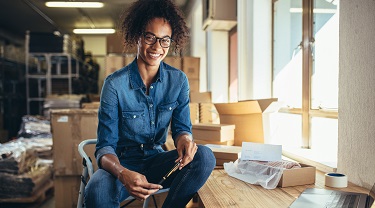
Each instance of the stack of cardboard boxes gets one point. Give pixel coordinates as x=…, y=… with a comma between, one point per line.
x=69, y=128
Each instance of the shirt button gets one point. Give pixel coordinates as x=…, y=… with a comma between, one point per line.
x=152, y=122
x=170, y=108
x=151, y=105
x=134, y=116
x=151, y=87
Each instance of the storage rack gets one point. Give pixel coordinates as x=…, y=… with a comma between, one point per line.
x=12, y=96
x=45, y=67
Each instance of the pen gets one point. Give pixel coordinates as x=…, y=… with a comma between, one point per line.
x=175, y=167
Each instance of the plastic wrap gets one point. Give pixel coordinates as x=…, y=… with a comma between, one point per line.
x=35, y=127
x=16, y=157
x=255, y=173
x=27, y=183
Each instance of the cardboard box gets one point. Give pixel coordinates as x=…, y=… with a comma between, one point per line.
x=113, y=63
x=116, y=62
x=70, y=127
x=200, y=97
x=115, y=45
x=194, y=85
x=248, y=118
x=191, y=66
x=213, y=132
x=169, y=143
x=298, y=176
x=204, y=142
x=194, y=112
x=174, y=61
x=94, y=97
x=92, y=105
x=225, y=153
x=66, y=191
x=208, y=113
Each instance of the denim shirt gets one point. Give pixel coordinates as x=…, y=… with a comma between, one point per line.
x=129, y=117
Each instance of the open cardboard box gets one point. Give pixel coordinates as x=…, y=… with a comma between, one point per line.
x=249, y=117
x=298, y=176
x=291, y=177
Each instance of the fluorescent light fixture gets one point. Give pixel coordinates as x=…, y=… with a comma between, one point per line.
x=94, y=31
x=74, y=4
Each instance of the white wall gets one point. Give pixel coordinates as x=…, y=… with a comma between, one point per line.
x=356, y=152
x=198, y=41
x=254, y=24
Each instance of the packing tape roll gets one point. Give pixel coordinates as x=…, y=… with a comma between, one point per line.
x=336, y=180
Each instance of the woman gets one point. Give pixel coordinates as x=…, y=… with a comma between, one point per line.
x=138, y=104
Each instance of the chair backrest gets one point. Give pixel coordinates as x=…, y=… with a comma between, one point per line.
x=85, y=156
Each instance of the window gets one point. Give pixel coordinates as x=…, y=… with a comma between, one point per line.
x=305, y=75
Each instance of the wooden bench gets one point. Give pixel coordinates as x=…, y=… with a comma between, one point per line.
x=222, y=190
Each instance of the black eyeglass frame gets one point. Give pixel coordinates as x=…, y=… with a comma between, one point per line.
x=156, y=39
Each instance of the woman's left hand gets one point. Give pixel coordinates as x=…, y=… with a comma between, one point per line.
x=186, y=149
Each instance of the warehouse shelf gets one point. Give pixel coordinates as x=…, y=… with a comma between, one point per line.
x=44, y=69
x=12, y=96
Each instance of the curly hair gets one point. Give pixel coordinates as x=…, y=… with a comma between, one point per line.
x=140, y=13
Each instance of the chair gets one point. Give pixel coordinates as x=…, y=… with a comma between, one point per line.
x=88, y=171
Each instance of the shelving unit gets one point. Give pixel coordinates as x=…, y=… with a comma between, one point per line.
x=44, y=67
x=12, y=97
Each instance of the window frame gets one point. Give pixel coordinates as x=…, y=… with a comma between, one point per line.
x=308, y=40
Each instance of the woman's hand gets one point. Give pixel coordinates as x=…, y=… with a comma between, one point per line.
x=137, y=184
x=186, y=149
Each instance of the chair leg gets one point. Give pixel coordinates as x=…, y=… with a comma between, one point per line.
x=145, y=203
x=156, y=204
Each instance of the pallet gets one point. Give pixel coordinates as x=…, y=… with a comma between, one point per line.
x=39, y=197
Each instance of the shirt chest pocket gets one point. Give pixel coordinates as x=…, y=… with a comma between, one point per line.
x=133, y=121
x=165, y=112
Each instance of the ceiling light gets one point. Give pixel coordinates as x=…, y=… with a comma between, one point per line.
x=74, y=4
x=94, y=31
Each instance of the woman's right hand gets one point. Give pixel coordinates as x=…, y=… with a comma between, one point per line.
x=137, y=184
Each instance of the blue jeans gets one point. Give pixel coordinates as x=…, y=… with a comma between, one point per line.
x=105, y=190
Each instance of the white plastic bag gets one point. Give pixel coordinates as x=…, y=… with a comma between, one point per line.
x=255, y=173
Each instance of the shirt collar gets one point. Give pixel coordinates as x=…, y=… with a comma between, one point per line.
x=136, y=81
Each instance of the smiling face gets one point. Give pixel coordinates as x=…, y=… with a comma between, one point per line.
x=151, y=55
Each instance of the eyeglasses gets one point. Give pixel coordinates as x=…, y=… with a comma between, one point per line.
x=150, y=39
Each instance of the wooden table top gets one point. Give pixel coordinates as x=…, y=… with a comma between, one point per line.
x=222, y=190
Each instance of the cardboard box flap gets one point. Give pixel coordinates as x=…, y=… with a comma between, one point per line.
x=213, y=127
x=265, y=103
x=245, y=107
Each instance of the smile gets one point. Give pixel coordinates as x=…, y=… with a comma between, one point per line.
x=154, y=55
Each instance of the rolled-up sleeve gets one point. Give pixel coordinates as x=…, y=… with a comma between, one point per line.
x=181, y=123
x=108, y=121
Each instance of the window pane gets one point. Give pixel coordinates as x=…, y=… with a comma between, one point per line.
x=287, y=71
x=285, y=130
x=326, y=55
x=324, y=139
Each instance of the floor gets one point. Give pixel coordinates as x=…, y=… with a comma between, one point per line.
x=50, y=203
